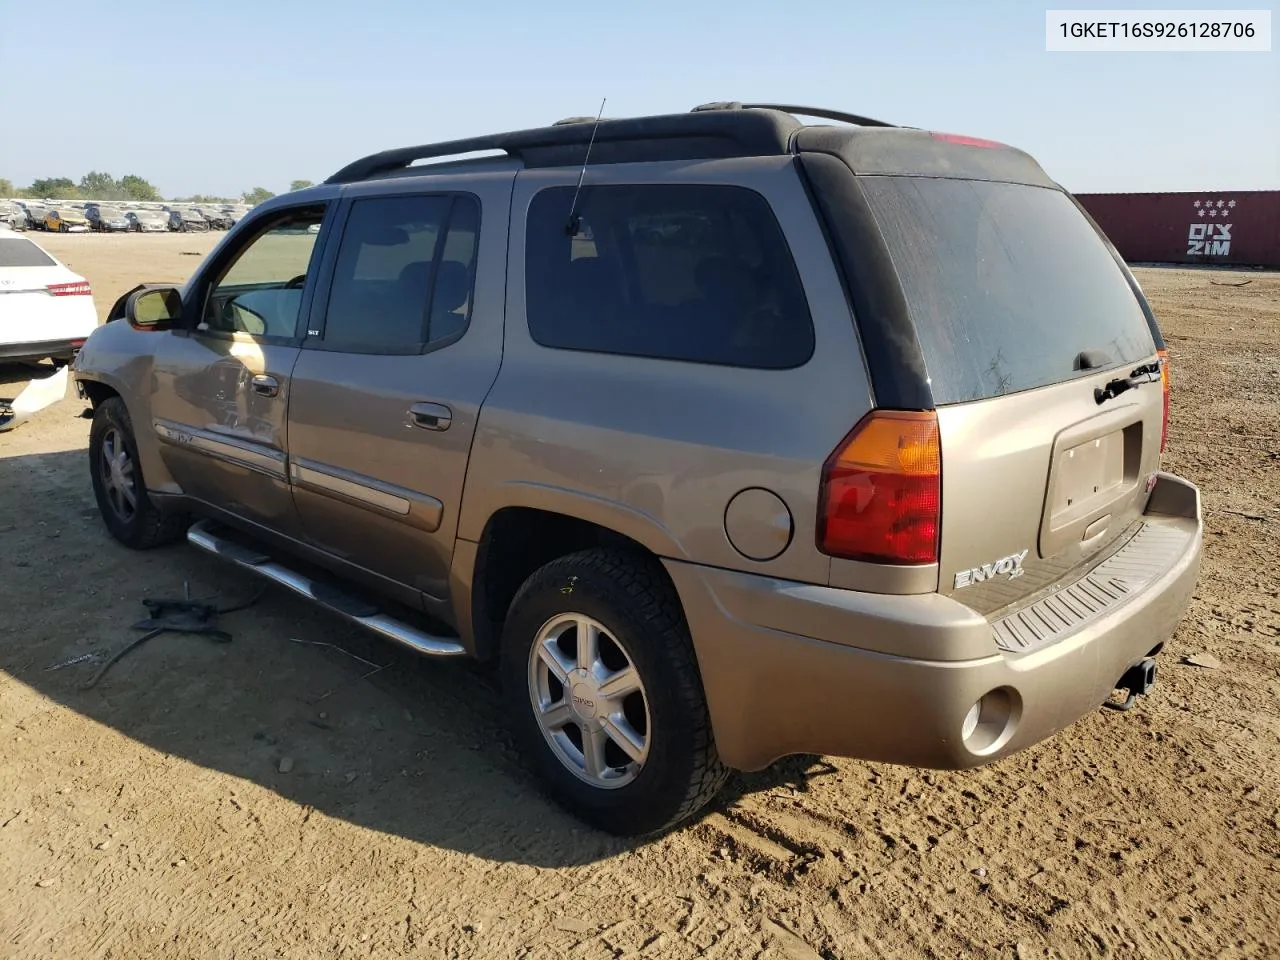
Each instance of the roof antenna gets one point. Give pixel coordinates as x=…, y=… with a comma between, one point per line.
x=575, y=222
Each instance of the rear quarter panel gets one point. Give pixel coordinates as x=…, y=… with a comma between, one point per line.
x=656, y=449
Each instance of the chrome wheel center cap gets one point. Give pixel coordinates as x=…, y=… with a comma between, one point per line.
x=584, y=696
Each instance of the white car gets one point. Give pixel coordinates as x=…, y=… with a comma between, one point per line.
x=46, y=310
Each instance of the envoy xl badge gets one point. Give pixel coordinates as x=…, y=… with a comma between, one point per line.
x=1010, y=566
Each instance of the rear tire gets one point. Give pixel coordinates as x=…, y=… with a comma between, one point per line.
x=119, y=487
x=638, y=684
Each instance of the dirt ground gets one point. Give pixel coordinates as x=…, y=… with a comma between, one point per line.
x=149, y=817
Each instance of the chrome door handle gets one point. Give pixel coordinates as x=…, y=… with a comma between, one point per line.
x=265, y=386
x=431, y=416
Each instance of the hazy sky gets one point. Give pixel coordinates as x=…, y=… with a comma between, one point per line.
x=222, y=96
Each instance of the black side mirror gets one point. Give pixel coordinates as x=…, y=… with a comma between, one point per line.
x=159, y=308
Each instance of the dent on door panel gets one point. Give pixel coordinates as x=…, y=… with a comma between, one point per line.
x=224, y=448
x=222, y=441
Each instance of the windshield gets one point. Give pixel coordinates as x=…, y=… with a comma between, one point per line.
x=1007, y=284
x=16, y=252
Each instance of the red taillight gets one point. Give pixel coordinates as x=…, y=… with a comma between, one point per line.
x=964, y=141
x=1164, y=387
x=881, y=497
x=79, y=288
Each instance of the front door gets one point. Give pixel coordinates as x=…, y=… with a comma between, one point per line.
x=405, y=343
x=221, y=387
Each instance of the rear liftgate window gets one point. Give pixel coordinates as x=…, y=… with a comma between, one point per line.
x=681, y=272
x=1007, y=285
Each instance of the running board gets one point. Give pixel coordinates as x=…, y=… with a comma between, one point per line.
x=357, y=611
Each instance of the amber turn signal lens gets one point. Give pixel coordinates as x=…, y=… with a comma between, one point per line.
x=1164, y=387
x=881, y=490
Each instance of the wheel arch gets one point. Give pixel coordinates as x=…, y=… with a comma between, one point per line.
x=516, y=541
x=97, y=392
x=98, y=386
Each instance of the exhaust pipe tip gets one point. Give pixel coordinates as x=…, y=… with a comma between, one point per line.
x=1137, y=681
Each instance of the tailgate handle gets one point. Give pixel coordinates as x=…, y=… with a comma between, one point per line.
x=1097, y=528
x=431, y=416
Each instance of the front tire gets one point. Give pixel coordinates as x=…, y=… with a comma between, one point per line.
x=600, y=676
x=118, y=484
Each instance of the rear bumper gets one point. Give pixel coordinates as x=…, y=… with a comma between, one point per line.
x=41, y=350
x=790, y=668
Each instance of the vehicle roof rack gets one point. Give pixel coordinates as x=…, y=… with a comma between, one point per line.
x=821, y=112
x=568, y=120
x=679, y=136
x=713, y=130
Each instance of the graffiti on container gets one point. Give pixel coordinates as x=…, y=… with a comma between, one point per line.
x=1210, y=238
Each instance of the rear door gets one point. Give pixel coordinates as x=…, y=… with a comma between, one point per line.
x=221, y=388
x=402, y=350
x=1024, y=318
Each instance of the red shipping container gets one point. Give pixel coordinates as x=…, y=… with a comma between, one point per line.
x=1239, y=227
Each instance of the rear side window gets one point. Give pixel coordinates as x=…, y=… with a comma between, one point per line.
x=1007, y=284
x=16, y=252
x=403, y=277
x=678, y=272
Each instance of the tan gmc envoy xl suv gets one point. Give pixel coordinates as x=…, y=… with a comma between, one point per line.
x=724, y=436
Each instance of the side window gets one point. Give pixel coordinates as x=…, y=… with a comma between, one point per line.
x=404, y=273
x=261, y=291
x=678, y=272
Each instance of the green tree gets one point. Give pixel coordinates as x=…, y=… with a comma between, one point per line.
x=56, y=188
x=6, y=188
x=201, y=198
x=301, y=184
x=135, y=188
x=258, y=195
x=100, y=186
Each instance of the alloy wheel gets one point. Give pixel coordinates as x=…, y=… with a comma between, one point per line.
x=589, y=701
x=119, y=478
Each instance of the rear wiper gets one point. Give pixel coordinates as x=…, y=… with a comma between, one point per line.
x=1147, y=373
